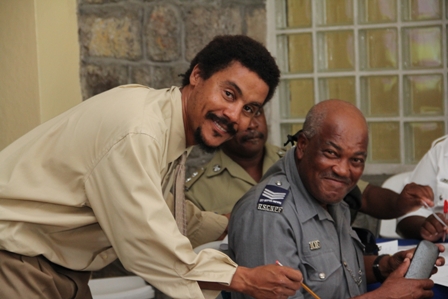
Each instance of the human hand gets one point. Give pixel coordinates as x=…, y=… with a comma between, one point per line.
x=431, y=229
x=398, y=258
x=398, y=287
x=265, y=282
x=413, y=196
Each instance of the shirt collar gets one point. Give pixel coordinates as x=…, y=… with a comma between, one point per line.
x=177, y=140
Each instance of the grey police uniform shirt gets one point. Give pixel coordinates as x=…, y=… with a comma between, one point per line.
x=279, y=220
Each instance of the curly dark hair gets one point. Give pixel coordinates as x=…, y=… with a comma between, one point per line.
x=226, y=49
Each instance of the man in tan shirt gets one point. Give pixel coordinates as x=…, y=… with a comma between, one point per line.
x=90, y=185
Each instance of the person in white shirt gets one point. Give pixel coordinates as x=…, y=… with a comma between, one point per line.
x=432, y=170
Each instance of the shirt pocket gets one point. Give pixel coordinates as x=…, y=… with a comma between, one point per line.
x=321, y=266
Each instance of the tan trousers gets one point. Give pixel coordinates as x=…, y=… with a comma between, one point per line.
x=36, y=277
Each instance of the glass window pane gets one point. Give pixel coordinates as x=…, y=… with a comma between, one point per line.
x=296, y=97
x=422, y=47
x=297, y=52
x=416, y=10
x=377, y=11
x=397, y=77
x=335, y=12
x=293, y=13
x=289, y=129
x=423, y=95
x=384, y=142
x=342, y=88
x=418, y=138
x=379, y=49
x=379, y=96
x=336, y=50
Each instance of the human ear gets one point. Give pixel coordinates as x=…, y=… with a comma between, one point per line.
x=302, y=143
x=195, y=75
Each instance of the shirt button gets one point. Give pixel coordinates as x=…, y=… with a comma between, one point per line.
x=194, y=174
x=216, y=168
x=322, y=275
x=104, y=256
x=278, y=183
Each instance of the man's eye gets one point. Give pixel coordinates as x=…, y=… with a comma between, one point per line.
x=228, y=94
x=248, y=109
x=358, y=160
x=331, y=153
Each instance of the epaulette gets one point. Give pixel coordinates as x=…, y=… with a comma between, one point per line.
x=273, y=195
x=281, y=152
x=193, y=178
x=438, y=140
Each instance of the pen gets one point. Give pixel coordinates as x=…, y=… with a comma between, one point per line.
x=304, y=286
x=445, y=212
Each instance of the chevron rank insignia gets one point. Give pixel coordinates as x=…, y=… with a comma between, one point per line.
x=272, y=197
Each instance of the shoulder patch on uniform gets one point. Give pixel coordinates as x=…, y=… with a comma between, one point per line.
x=273, y=196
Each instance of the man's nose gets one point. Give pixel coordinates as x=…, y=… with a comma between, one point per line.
x=233, y=111
x=342, y=168
x=254, y=123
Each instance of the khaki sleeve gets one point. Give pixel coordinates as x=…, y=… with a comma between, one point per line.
x=125, y=194
x=204, y=226
x=362, y=185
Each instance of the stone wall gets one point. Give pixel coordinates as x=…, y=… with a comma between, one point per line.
x=151, y=42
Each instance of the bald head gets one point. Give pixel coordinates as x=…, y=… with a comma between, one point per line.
x=331, y=150
x=330, y=111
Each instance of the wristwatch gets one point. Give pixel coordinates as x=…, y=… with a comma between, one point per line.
x=376, y=268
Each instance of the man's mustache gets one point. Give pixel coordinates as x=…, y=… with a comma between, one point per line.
x=222, y=121
x=251, y=135
x=334, y=176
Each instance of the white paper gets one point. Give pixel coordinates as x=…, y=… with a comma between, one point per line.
x=441, y=277
x=224, y=243
x=389, y=247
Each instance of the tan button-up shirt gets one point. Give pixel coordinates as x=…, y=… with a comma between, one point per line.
x=86, y=187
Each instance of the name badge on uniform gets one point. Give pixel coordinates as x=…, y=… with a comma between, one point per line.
x=271, y=199
x=314, y=245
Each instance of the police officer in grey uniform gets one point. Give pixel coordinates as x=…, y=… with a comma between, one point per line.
x=297, y=215
x=239, y=165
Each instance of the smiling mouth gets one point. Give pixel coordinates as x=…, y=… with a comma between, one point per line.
x=220, y=127
x=223, y=125
x=337, y=180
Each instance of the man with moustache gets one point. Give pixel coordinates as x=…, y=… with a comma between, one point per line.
x=297, y=215
x=235, y=167
x=90, y=185
x=239, y=165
